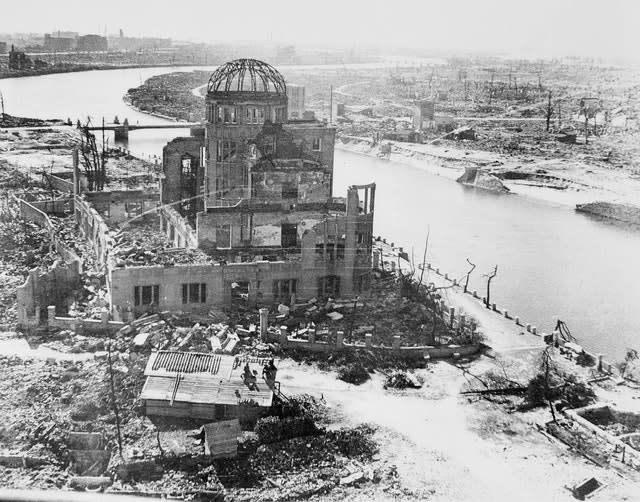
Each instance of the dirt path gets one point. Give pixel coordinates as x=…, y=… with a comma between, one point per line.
x=446, y=448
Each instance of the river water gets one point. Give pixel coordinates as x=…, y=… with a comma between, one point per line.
x=551, y=260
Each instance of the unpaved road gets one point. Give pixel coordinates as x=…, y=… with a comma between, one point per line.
x=446, y=448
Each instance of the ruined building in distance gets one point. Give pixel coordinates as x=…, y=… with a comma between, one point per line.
x=254, y=191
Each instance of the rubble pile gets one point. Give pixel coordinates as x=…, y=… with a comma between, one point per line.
x=385, y=313
x=45, y=400
x=402, y=380
x=141, y=245
x=24, y=246
x=126, y=172
x=28, y=187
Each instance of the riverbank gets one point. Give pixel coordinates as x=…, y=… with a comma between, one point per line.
x=90, y=67
x=567, y=181
x=579, y=184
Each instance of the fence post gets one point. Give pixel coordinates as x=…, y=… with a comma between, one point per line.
x=284, y=334
x=264, y=313
x=396, y=343
x=368, y=340
x=339, y=340
x=104, y=318
x=312, y=336
x=51, y=314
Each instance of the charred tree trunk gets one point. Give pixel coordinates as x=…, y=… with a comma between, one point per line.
x=489, y=279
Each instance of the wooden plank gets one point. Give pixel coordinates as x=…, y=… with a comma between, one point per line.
x=221, y=438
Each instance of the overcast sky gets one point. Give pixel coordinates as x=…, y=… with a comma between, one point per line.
x=536, y=27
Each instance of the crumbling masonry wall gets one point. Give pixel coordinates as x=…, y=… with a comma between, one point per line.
x=94, y=229
x=177, y=229
x=122, y=206
x=50, y=287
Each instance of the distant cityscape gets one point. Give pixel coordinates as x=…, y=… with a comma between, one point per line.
x=36, y=53
x=72, y=41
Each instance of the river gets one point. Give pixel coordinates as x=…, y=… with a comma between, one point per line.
x=551, y=260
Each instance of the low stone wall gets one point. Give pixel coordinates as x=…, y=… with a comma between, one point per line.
x=83, y=326
x=56, y=207
x=58, y=183
x=602, y=365
x=631, y=455
x=410, y=352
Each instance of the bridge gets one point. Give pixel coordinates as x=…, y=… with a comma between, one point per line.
x=121, y=131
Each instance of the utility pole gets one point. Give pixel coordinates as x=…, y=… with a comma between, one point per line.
x=493, y=74
x=2, y=104
x=559, y=106
x=549, y=111
x=331, y=105
x=113, y=401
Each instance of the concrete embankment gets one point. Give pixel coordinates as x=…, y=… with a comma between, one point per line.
x=627, y=213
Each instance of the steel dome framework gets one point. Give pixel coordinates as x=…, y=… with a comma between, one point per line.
x=247, y=75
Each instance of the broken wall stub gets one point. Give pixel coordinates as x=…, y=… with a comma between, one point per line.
x=177, y=229
x=47, y=287
x=53, y=287
x=94, y=229
x=184, y=176
x=122, y=206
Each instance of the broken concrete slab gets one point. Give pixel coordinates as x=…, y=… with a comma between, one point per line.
x=139, y=469
x=351, y=479
x=89, y=482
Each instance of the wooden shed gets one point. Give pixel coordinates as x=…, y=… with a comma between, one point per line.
x=205, y=386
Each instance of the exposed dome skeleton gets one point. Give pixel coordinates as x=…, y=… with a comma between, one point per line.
x=247, y=75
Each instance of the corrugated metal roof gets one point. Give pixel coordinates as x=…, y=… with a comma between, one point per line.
x=204, y=389
x=166, y=362
x=196, y=377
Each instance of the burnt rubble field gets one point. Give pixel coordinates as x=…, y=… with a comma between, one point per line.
x=288, y=455
x=415, y=389
x=300, y=448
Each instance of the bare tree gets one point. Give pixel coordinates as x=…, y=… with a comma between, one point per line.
x=630, y=356
x=466, y=282
x=548, y=368
x=489, y=279
x=549, y=112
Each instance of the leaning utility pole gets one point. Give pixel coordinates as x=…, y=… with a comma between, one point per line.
x=2, y=104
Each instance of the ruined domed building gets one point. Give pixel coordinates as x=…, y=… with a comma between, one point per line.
x=255, y=193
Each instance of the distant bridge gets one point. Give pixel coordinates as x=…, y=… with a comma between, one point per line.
x=121, y=131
